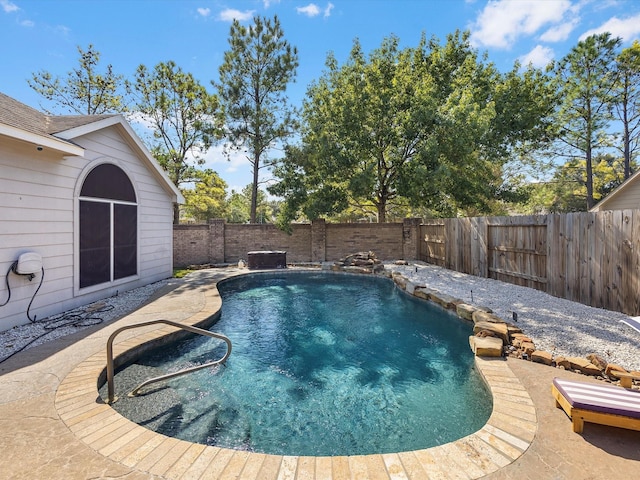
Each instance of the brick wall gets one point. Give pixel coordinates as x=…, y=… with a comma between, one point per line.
x=240, y=239
x=220, y=242
x=344, y=238
x=190, y=245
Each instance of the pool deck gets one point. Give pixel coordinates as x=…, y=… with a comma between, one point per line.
x=53, y=424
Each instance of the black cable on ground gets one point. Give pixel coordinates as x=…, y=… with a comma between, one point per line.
x=76, y=320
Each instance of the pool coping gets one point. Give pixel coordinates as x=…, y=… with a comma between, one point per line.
x=507, y=434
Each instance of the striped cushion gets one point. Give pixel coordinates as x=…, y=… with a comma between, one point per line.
x=600, y=398
x=633, y=322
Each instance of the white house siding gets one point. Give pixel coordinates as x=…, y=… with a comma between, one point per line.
x=627, y=198
x=37, y=213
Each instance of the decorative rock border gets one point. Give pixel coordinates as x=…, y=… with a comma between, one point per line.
x=493, y=336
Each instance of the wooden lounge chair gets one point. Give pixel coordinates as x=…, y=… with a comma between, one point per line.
x=604, y=404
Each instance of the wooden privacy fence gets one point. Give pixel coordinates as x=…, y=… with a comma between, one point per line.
x=588, y=257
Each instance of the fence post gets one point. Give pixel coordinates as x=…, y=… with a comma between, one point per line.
x=216, y=240
x=479, y=252
x=318, y=240
x=411, y=238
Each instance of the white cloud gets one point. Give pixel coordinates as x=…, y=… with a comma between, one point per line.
x=627, y=29
x=538, y=57
x=142, y=125
x=8, y=7
x=204, y=12
x=268, y=3
x=559, y=33
x=503, y=21
x=218, y=160
x=27, y=23
x=327, y=10
x=62, y=30
x=231, y=14
x=310, y=10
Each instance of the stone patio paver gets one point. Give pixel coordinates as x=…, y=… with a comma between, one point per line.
x=53, y=424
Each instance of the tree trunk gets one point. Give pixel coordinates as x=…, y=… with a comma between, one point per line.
x=382, y=214
x=176, y=213
x=254, y=188
x=588, y=150
x=627, y=149
x=590, y=202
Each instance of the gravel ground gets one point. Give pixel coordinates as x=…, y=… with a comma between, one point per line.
x=555, y=325
x=36, y=333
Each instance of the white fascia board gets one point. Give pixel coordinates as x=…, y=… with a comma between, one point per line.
x=47, y=142
x=90, y=127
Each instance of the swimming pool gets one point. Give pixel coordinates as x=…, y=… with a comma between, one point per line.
x=323, y=364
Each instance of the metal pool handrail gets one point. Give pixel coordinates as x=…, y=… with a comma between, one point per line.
x=110, y=368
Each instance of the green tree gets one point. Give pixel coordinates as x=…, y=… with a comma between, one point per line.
x=362, y=122
x=185, y=119
x=239, y=207
x=84, y=91
x=628, y=102
x=428, y=127
x=252, y=85
x=207, y=199
x=567, y=190
x=586, y=79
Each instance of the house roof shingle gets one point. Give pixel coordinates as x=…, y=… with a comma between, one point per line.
x=24, y=117
x=62, y=130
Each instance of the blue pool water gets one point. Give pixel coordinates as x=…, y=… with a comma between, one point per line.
x=325, y=364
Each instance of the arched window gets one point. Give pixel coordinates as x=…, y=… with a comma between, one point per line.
x=108, y=226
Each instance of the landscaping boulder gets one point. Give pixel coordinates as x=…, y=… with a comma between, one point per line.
x=401, y=281
x=562, y=362
x=540, y=356
x=481, y=316
x=513, y=330
x=528, y=348
x=360, y=259
x=446, y=301
x=584, y=366
x=356, y=269
x=598, y=361
x=367, y=262
x=411, y=287
x=612, y=368
x=486, y=346
x=499, y=329
x=485, y=333
x=465, y=311
x=424, y=293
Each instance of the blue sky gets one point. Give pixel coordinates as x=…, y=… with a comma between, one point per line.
x=40, y=35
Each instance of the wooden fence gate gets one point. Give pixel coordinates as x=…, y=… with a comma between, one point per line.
x=588, y=257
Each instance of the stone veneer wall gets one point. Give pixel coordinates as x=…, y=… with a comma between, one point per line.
x=219, y=242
